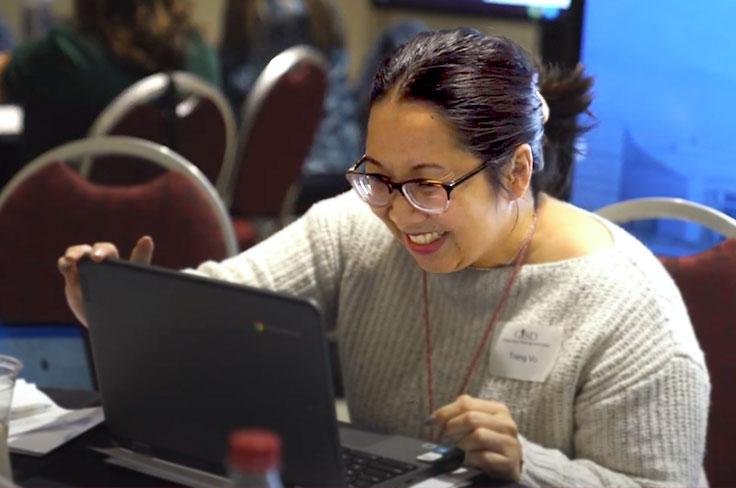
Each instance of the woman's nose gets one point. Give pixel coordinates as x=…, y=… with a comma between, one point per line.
x=402, y=213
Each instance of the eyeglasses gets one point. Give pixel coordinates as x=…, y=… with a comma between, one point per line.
x=429, y=196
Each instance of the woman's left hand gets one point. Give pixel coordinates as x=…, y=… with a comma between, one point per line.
x=485, y=430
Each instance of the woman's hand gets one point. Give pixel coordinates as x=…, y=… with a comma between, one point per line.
x=142, y=253
x=487, y=433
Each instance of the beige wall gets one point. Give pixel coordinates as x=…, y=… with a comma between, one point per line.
x=363, y=22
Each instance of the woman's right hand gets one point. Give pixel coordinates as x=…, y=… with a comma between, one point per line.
x=142, y=253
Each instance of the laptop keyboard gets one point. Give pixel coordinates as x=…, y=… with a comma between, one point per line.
x=363, y=469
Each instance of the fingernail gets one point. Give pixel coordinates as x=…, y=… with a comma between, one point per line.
x=98, y=253
x=429, y=420
x=63, y=264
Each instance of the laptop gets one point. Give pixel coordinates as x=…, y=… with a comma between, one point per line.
x=183, y=360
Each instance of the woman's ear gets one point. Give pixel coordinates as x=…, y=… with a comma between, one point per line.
x=519, y=173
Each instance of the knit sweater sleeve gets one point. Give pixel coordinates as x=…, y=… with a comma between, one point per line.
x=646, y=450
x=640, y=414
x=303, y=259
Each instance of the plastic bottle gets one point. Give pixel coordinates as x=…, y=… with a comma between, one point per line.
x=254, y=459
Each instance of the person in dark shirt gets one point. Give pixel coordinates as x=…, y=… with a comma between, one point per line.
x=65, y=79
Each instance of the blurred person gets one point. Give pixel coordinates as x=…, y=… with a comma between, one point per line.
x=254, y=31
x=7, y=39
x=66, y=78
x=257, y=30
x=388, y=41
x=469, y=303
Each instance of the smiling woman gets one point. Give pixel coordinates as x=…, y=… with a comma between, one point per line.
x=468, y=302
x=478, y=229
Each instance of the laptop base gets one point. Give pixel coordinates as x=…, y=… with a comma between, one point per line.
x=158, y=468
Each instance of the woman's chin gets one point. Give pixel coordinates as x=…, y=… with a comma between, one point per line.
x=435, y=263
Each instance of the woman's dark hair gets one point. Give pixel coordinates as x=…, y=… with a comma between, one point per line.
x=149, y=34
x=487, y=86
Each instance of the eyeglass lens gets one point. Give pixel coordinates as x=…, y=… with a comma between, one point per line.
x=424, y=196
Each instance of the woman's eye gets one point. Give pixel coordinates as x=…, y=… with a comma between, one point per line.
x=429, y=188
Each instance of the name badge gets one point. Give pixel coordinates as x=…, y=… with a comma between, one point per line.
x=525, y=352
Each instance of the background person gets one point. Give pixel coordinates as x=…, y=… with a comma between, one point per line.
x=548, y=343
x=66, y=78
x=257, y=30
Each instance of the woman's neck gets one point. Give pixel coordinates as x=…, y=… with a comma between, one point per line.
x=521, y=228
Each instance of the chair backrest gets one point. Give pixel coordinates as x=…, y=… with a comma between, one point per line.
x=669, y=208
x=178, y=110
x=47, y=207
x=707, y=282
x=279, y=119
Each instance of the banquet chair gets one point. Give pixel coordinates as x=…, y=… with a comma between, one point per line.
x=178, y=110
x=47, y=207
x=707, y=282
x=280, y=117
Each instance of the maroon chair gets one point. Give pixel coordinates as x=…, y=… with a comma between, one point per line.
x=708, y=285
x=177, y=110
x=707, y=282
x=279, y=120
x=48, y=207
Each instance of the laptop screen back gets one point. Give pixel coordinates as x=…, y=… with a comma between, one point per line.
x=183, y=360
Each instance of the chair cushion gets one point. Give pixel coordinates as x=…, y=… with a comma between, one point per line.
x=282, y=128
x=245, y=233
x=56, y=208
x=707, y=282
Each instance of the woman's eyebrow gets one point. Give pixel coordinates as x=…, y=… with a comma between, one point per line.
x=417, y=166
x=369, y=159
x=428, y=166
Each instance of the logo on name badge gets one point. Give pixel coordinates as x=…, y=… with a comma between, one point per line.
x=525, y=335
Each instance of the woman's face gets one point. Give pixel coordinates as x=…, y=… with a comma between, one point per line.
x=409, y=139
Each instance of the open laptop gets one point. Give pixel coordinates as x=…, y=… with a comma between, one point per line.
x=184, y=360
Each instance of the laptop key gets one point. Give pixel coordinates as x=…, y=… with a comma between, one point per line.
x=365, y=456
x=378, y=473
x=363, y=469
x=373, y=480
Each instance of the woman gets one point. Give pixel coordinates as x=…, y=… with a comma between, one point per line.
x=65, y=79
x=547, y=343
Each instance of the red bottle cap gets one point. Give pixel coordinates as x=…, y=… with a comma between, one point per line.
x=254, y=450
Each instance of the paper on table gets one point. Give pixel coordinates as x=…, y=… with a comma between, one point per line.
x=27, y=399
x=38, y=425
x=56, y=432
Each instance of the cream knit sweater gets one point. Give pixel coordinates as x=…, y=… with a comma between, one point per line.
x=625, y=404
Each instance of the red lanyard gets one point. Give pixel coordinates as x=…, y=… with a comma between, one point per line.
x=518, y=262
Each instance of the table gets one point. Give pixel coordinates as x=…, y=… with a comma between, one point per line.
x=73, y=464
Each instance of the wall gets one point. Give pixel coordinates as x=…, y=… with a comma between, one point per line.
x=363, y=22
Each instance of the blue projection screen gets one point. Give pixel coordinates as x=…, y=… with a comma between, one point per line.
x=665, y=100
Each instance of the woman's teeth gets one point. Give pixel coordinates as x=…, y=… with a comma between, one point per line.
x=424, y=239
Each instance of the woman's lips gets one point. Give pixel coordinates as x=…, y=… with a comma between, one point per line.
x=425, y=243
